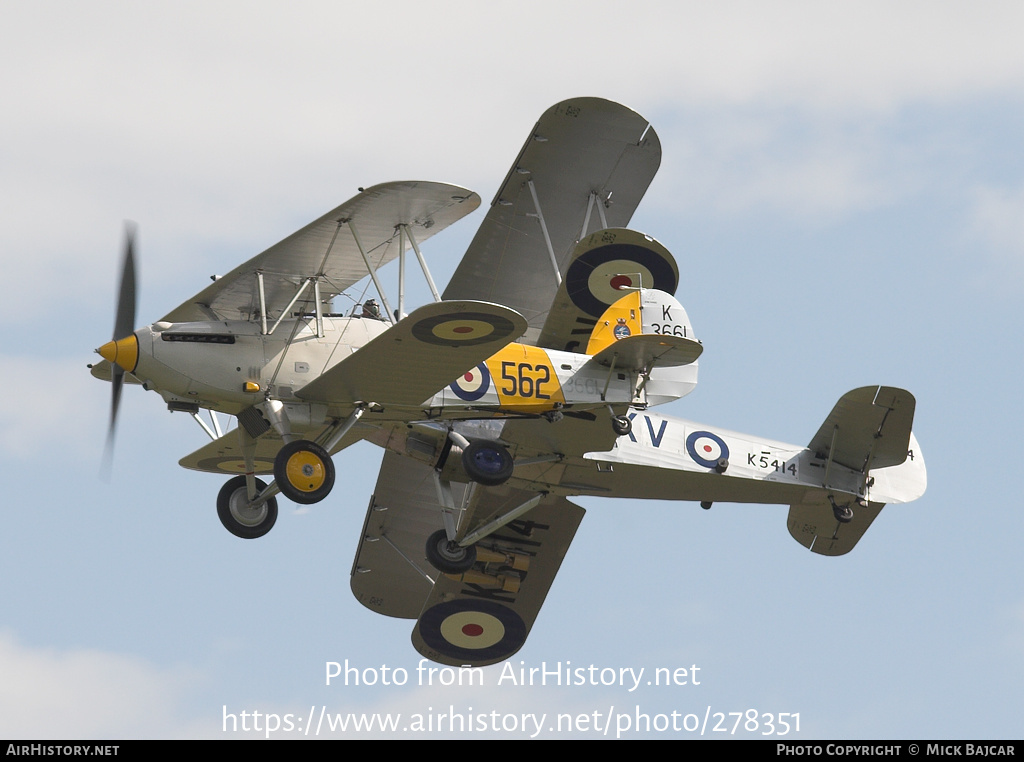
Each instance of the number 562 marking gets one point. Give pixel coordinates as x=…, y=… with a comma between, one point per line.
x=525, y=380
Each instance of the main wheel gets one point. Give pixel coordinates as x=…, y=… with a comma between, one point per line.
x=621, y=425
x=304, y=472
x=448, y=557
x=236, y=515
x=487, y=462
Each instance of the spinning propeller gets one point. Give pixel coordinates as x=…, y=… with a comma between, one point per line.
x=122, y=351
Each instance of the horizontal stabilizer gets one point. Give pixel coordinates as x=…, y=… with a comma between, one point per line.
x=868, y=428
x=419, y=355
x=640, y=352
x=815, y=526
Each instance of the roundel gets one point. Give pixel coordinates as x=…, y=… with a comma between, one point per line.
x=597, y=278
x=473, y=384
x=706, y=448
x=475, y=630
x=462, y=329
x=235, y=465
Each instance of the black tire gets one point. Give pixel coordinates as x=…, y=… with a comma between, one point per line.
x=447, y=557
x=304, y=472
x=621, y=425
x=487, y=462
x=843, y=513
x=235, y=514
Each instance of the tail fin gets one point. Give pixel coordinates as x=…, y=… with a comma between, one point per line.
x=643, y=328
x=868, y=428
x=870, y=458
x=604, y=264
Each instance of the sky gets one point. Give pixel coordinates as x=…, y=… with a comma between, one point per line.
x=842, y=186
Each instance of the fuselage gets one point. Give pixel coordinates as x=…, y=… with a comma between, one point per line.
x=228, y=366
x=673, y=459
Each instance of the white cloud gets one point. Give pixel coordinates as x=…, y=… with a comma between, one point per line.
x=230, y=124
x=83, y=693
x=52, y=396
x=998, y=218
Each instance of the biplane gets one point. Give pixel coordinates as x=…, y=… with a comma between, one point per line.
x=531, y=379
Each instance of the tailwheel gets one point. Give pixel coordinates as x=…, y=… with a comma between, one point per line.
x=446, y=556
x=621, y=425
x=488, y=463
x=236, y=514
x=304, y=472
x=843, y=513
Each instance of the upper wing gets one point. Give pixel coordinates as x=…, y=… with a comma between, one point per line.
x=578, y=148
x=868, y=428
x=419, y=355
x=327, y=248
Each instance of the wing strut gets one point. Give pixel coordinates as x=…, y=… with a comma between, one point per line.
x=370, y=267
x=262, y=293
x=284, y=312
x=446, y=500
x=544, y=230
x=400, y=229
x=406, y=558
x=493, y=526
x=214, y=433
x=591, y=203
x=423, y=264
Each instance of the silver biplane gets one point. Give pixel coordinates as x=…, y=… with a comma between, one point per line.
x=530, y=380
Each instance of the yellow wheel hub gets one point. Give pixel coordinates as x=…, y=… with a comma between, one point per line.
x=305, y=471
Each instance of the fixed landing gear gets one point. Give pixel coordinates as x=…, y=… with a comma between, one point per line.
x=487, y=463
x=238, y=517
x=621, y=425
x=843, y=513
x=447, y=557
x=304, y=472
